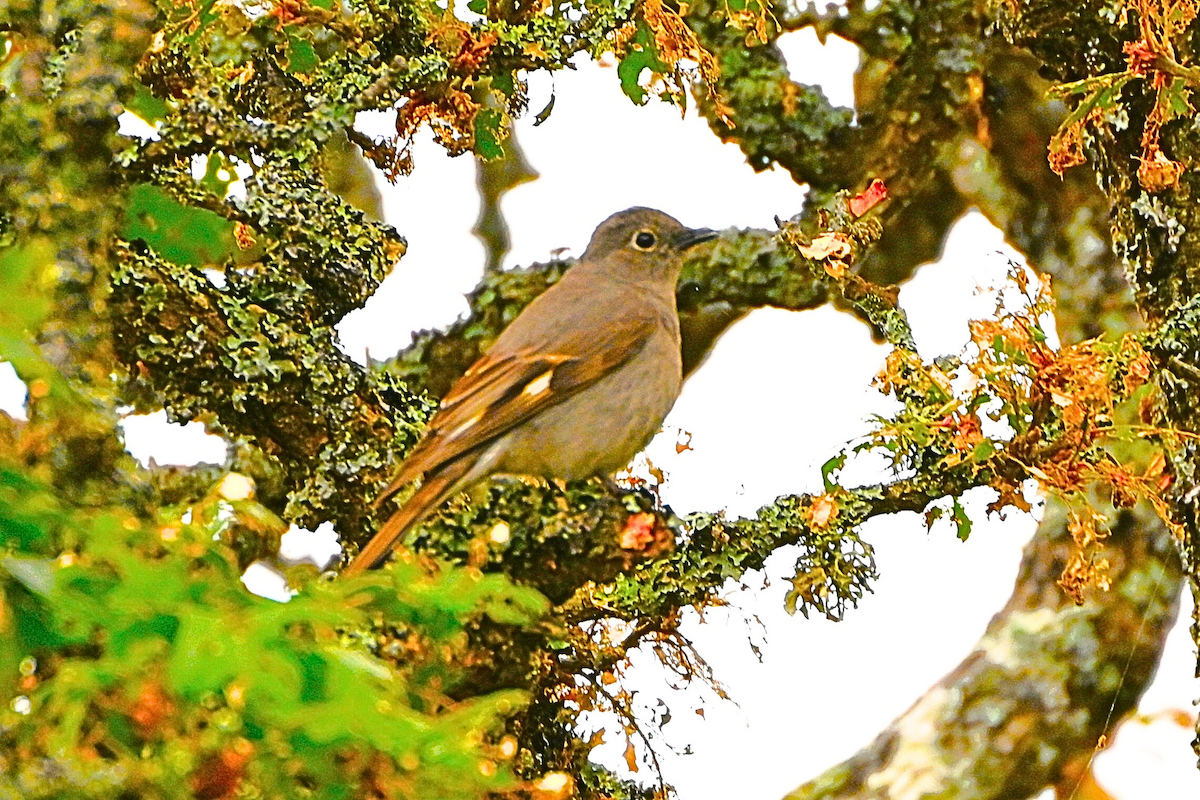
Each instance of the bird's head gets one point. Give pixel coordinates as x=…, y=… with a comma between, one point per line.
x=643, y=243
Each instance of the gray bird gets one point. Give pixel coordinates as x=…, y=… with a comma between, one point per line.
x=574, y=387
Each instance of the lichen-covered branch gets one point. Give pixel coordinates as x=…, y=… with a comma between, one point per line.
x=1028, y=707
x=949, y=119
x=1154, y=230
x=251, y=371
x=835, y=568
x=62, y=70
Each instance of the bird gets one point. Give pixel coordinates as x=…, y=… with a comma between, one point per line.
x=573, y=388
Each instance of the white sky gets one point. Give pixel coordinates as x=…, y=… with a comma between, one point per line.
x=781, y=393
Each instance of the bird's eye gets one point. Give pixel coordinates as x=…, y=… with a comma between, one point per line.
x=644, y=240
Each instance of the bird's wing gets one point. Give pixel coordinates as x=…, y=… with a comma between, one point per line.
x=501, y=391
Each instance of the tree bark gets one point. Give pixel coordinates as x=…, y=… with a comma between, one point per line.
x=1029, y=706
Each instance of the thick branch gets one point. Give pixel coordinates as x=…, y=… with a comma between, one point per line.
x=1155, y=230
x=64, y=71
x=949, y=119
x=257, y=374
x=1028, y=706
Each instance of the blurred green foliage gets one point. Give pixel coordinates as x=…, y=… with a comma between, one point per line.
x=26, y=272
x=184, y=235
x=138, y=665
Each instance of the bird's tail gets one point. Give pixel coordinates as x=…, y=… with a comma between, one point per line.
x=439, y=484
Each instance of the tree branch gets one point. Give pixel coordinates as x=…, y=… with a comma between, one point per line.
x=1029, y=705
x=1154, y=231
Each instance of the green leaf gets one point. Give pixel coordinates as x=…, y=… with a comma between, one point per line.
x=489, y=134
x=641, y=55
x=145, y=105
x=1097, y=88
x=179, y=233
x=202, y=15
x=302, y=56
x=932, y=515
x=961, y=520
x=478, y=6
x=152, y=608
x=21, y=266
x=829, y=467
x=983, y=451
x=360, y=662
x=919, y=433
x=26, y=269
x=505, y=83
x=1172, y=100
x=35, y=574
x=204, y=655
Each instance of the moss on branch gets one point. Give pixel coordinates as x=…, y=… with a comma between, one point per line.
x=1046, y=682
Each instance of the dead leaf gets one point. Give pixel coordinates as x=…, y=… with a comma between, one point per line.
x=631, y=757
x=638, y=531
x=867, y=199
x=827, y=245
x=823, y=509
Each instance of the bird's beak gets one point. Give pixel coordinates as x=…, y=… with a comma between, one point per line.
x=694, y=236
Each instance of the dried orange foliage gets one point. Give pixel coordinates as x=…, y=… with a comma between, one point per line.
x=610, y=642
x=1099, y=102
x=823, y=509
x=1151, y=58
x=849, y=228
x=150, y=709
x=645, y=533
x=1085, y=566
x=451, y=112
x=243, y=234
x=676, y=41
x=449, y=116
x=220, y=774
x=753, y=17
x=676, y=45
x=1058, y=411
x=1160, y=23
